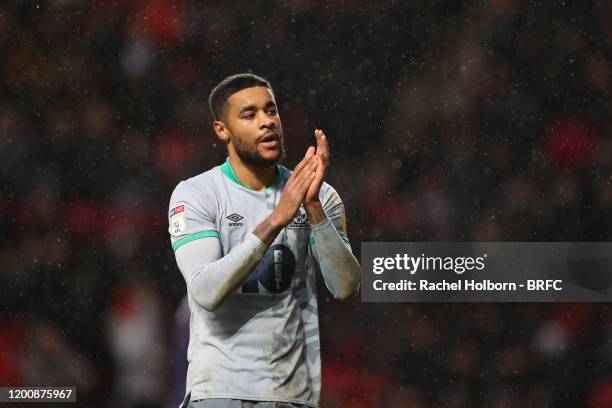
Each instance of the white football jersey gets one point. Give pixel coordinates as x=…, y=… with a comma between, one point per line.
x=262, y=342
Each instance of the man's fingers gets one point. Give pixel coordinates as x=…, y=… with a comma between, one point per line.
x=309, y=167
x=309, y=154
x=319, y=172
x=318, y=135
x=306, y=172
x=300, y=173
x=322, y=146
x=305, y=178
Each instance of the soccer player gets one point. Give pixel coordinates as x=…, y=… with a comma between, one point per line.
x=248, y=236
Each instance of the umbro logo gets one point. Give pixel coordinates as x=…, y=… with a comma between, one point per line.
x=235, y=218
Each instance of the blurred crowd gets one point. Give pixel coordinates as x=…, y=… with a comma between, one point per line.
x=483, y=120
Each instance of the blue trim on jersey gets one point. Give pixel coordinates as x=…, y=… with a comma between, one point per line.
x=193, y=237
x=227, y=169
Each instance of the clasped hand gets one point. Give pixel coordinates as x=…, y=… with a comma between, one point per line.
x=305, y=182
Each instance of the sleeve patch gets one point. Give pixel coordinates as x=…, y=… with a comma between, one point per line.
x=177, y=225
x=177, y=210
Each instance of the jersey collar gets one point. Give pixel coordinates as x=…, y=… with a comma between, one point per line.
x=227, y=169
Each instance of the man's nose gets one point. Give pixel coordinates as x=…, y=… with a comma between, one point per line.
x=265, y=121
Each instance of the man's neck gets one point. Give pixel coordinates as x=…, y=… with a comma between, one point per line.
x=254, y=177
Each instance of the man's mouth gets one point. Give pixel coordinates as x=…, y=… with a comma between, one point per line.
x=269, y=140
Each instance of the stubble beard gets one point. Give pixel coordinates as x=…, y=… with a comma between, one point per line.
x=250, y=155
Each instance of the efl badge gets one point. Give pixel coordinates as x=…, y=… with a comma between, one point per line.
x=177, y=221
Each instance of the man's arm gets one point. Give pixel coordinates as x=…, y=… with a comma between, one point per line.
x=210, y=277
x=339, y=267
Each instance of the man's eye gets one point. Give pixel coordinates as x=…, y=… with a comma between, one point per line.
x=272, y=111
x=249, y=115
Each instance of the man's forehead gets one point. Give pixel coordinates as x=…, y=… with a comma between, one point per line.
x=250, y=96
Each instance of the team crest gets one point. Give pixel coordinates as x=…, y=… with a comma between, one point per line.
x=300, y=220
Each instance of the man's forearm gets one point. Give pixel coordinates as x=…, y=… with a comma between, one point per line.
x=316, y=214
x=339, y=267
x=269, y=229
x=211, y=280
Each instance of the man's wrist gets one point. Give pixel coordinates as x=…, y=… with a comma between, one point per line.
x=268, y=229
x=315, y=212
x=277, y=221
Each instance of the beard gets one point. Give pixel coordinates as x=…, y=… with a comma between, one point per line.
x=251, y=156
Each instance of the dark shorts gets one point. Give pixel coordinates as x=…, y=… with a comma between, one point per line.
x=232, y=403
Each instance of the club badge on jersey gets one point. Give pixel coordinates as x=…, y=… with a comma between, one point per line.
x=300, y=220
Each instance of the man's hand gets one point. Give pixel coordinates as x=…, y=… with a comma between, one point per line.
x=311, y=201
x=293, y=196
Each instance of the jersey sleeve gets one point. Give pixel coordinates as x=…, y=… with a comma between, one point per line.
x=334, y=209
x=331, y=250
x=191, y=215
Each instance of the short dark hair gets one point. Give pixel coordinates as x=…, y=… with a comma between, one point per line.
x=229, y=86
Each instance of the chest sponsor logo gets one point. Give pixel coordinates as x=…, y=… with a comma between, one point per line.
x=300, y=220
x=273, y=274
x=235, y=218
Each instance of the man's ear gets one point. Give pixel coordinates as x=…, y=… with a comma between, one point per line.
x=221, y=131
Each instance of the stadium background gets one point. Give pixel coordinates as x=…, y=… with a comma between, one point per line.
x=449, y=121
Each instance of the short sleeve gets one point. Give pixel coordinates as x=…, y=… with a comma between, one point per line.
x=191, y=215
